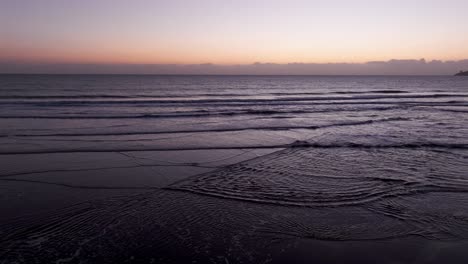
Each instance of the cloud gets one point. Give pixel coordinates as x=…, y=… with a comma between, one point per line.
x=391, y=67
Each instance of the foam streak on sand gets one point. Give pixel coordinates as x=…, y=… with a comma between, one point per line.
x=334, y=177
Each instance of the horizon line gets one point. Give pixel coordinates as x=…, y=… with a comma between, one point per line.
x=201, y=74
x=396, y=67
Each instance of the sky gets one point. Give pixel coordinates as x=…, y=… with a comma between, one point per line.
x=34, y=33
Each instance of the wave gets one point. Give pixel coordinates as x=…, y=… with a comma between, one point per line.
x=341, y=107
x=232, y=100
x=370, y=91
x=201, y=113
x=276, y=128
x=433, y=146
x=119, y=96
x=451, y=110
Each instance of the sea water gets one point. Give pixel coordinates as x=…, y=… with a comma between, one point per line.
x=232, y=169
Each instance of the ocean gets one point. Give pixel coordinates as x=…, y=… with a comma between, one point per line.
x=233, y=169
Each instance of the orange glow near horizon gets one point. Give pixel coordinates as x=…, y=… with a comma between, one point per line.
x=224, y=56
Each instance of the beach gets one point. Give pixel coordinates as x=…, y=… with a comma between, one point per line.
x=233, y=169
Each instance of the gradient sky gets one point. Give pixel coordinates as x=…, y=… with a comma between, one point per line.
x=231, y=32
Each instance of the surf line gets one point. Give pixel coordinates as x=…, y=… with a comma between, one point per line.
x=296, y=144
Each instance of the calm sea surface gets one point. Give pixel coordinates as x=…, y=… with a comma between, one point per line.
x=233, y=169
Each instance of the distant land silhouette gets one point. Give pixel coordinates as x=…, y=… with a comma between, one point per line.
x=462, y=73
x=391, y=67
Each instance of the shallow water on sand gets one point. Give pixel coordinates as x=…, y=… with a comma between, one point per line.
x=233, y=169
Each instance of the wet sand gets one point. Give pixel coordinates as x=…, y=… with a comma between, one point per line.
x=63, y=212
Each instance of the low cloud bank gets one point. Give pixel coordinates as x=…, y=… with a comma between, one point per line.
x=391, y=67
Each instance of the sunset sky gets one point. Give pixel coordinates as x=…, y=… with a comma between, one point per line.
x=231, y=32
